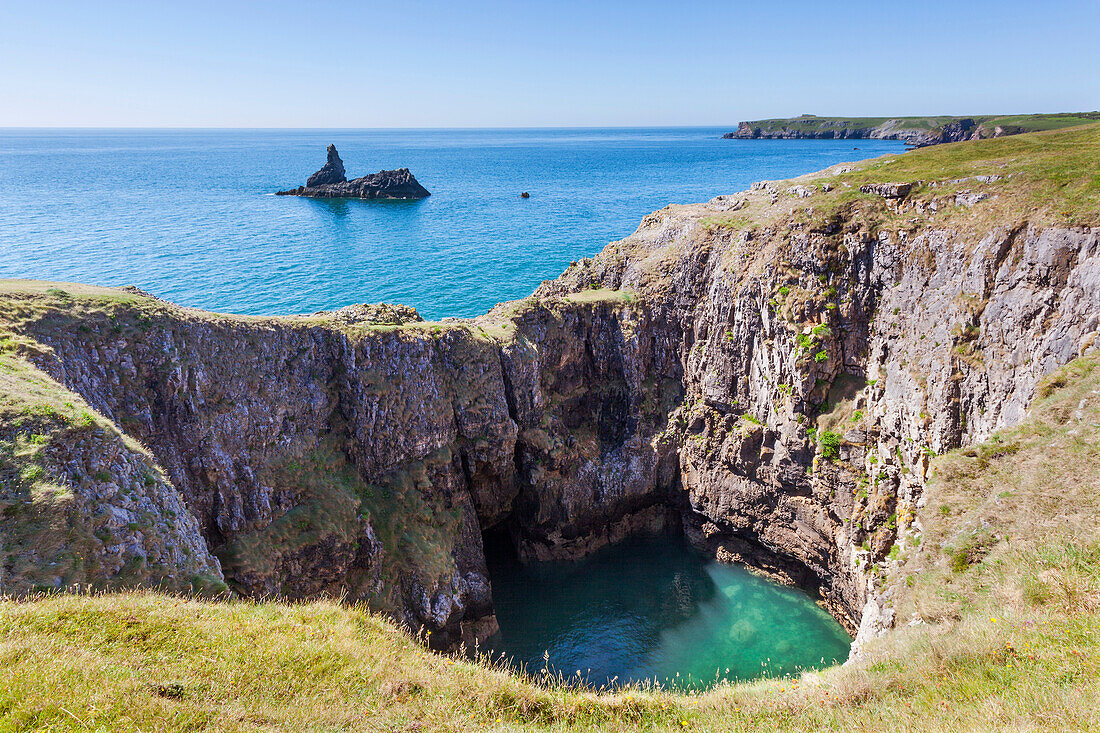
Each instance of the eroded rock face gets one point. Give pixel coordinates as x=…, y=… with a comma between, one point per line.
x=360, y=453
x=89, y=509
x=778, y=388
x=898, y=129
x=823, y=368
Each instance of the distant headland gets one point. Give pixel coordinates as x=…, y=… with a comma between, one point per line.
x=918, y=131
x=330, y=182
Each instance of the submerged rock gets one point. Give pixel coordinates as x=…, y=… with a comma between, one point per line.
x=330, y=182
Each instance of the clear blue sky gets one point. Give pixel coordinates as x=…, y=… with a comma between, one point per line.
x=422, y=63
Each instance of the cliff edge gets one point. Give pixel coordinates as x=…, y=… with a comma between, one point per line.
x=773, y=370
x=918, y=131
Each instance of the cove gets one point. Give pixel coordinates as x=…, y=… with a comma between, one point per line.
x=653, y=609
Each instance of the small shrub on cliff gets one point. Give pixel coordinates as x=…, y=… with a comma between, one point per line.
x=830, y=445
x=821, y=356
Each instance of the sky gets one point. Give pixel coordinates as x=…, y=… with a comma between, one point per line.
x=422, y=63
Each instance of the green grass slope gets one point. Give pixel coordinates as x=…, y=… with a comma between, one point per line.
x=999, y=630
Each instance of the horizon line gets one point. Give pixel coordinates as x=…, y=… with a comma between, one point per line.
x=502, y=127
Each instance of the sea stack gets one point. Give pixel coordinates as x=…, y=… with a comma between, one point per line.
x=331, y=172
x=330, y=182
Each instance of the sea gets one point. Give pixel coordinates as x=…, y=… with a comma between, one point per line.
x=189, y=215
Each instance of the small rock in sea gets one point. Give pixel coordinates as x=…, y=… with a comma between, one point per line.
x=525, y=195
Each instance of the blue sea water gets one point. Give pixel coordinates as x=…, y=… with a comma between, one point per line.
x=188, y=215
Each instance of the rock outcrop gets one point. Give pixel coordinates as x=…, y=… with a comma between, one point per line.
x=331, y=172
x=773, y=374
x=330, y=182
x=917, y=131
x=893, y=129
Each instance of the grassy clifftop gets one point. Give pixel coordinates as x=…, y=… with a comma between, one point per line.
x=1000, y=629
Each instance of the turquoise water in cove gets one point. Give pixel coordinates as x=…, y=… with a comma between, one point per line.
x=187, y=215
x=652, y=609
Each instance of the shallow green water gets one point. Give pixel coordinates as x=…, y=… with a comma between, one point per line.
x=653, y=609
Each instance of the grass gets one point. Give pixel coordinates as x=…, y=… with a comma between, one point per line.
x=1008, y=639
x=810, y=123
x=1048, y=177
x=54, y=527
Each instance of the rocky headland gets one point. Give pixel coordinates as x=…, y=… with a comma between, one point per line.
x=773, y=371
x=917, y=131
x=330, y=182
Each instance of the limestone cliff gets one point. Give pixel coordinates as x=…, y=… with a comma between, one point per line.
x=919, y=131
x=772, y=369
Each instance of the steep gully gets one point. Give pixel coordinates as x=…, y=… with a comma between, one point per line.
x=777, y=391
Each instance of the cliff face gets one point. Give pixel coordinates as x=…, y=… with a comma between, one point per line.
x=772, y=369
x=331, y=455
x=821, y=376
x=964, y=128
x=918, y=131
